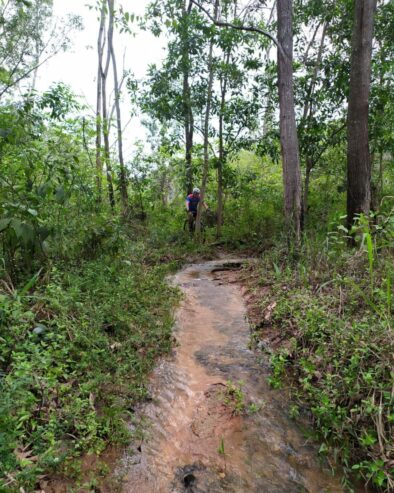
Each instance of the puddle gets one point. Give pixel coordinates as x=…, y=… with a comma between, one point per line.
x=195, y=442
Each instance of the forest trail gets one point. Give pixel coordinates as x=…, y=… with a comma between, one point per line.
x=195, y=442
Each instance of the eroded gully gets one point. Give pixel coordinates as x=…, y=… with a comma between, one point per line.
x=194, y=442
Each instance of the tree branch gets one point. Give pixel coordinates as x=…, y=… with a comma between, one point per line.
x=305, y=58
x=329, y=142
x=201, y=131
x=241, y=28
x=28, y=72
x=124, y=76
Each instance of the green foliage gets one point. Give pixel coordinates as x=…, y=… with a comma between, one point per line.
x=278, y=365
x=84, y=309
x=253, y=200
x=27, y=37
x=234, y=397
x=334, y=316
x=75, y=354
x=47, y=186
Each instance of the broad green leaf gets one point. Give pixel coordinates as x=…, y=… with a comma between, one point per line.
x=23, y=231
x=60, y=195
x=4, y=223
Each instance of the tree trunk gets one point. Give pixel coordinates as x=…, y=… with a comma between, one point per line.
x=107, y=158
x=288, y=129
x=99, y=163
x=123, y=180
x=164, y=188
x=358, y=156
x=186, y=96
x=221, y=160
x=206, y=128
x=104, y=75
x=220, y=173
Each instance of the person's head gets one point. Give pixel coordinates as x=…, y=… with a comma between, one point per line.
x=196, y=191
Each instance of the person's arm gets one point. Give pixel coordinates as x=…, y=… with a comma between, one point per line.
x=187, y=204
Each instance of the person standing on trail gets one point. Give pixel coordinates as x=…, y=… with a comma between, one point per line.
x=192, y=201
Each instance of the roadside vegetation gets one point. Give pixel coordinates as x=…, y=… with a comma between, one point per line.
x=78, y=341
x=325, y=320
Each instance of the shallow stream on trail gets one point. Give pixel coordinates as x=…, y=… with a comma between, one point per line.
x=195, y=442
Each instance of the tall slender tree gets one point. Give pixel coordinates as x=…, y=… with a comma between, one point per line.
x=99, y=95
x=174, y=92
x=104, y=101
x=222, y=156
x=288, y=128
x=186, y=94
x=358, y=156
x=206, y=124
x=122, y=177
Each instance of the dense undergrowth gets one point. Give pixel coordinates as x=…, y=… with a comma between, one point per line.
x=328, y=315
x=81, y=330
x=78, y=340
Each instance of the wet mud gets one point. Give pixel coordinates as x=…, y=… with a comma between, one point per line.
x=200, y=438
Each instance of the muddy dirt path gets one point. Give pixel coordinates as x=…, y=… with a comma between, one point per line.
x=195, y=443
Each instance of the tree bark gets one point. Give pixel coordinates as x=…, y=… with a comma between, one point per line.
x=358, y=156
x=206, y=127
x=107, y=159
x=99, y=163
x=123, y=179
x=288, y=129
x=221, y=160
x=219, y=218
x=186, y=96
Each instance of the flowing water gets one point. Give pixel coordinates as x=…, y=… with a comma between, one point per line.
x=197, y=442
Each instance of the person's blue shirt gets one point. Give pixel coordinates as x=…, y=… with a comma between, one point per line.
x=193, y=201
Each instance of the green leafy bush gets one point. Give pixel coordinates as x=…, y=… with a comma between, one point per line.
x=74, y=356
x=334, y=317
